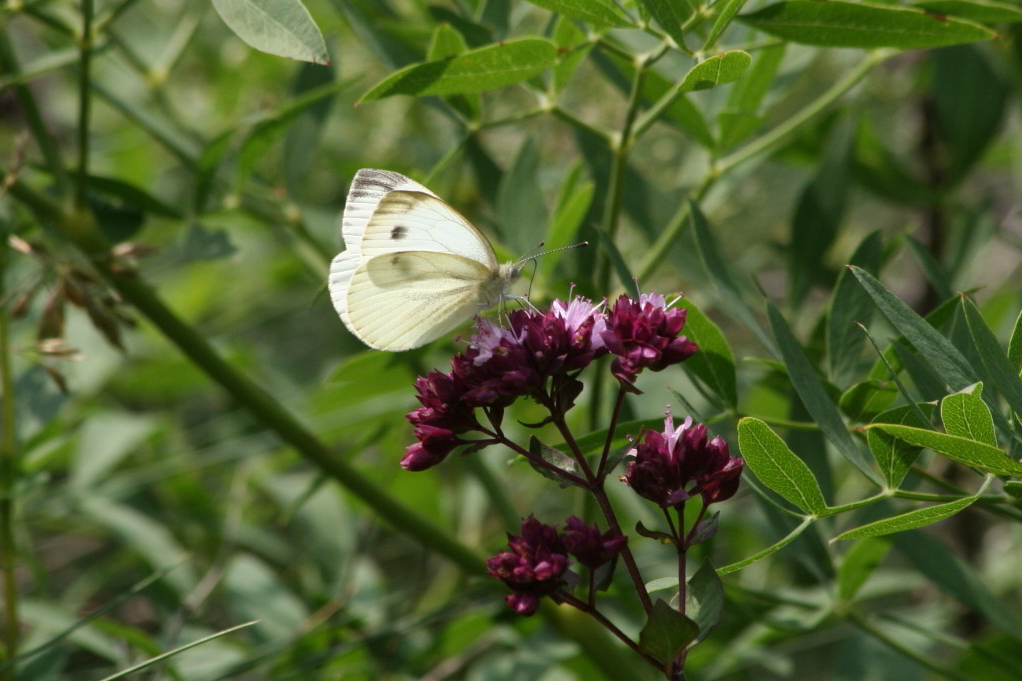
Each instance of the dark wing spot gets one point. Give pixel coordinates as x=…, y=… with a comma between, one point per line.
x=399, y=232
x=395, y=259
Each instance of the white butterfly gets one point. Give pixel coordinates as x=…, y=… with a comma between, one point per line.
x=413, y=268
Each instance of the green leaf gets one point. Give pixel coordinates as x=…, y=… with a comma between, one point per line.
x=960, y=449
x=935, y=272
x=596, y=12
x=837, y=23
x=858, y=564
x=666, y=633
x=521, y=210
x=908, y=521
x=487, y=68
x=1015, y=346
x=670, y=14
x=714, y=363
x=565, y=222
x=280, y=27
x=718, y=70
x=950, y=364
x=816, y=400
x=968, y=416
x=778, y=467
x=206, y=244
x=724, y=16
x=704, y=599
x=850, y=304
x=555, y=458
x=986, y=11
x=720, y=273
x=624, y=275
x=574, y=44
x=894, y=456
x=742, y=118
x=681, y=112
x=305, y=132
x=865, y=400
x=1002, y=372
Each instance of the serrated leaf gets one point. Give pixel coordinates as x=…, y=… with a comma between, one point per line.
x=727, y=12
x=893, y=456
x=1002, y=372
x=666, y=633
x=704, y=599
x=986, y=11
x=596, y=12
x=908, y=521
x=960, y=449
x=837, y=23
x=778, y=467
x=717, y=70
x=670, y=14
x=968, y=416
x=280, y=27
x=863, y=401
x=816, y=400
x=950, y=364
x=858, y=564
x=487, y=68
x=714, y=363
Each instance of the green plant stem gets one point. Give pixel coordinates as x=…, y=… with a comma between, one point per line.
x=761, y=145
x=51, y=153
x=84, y=104
x=81, y=230
x=576, y=122
x=8, y=480
x=894, y=644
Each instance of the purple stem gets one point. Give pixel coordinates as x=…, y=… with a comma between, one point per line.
x=601, y=471
x=595, y=614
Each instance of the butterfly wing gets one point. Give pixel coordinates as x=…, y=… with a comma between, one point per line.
x=367, y=189
x=401, y=300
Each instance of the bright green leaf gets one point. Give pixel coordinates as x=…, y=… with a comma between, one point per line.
x=968, y=416
x=728, y=10
x=573, y=42
x=816, y=400
x=714, y=363
x=837, y=23
x=778, y=467
x=487, y=68
x=280, y=27
x=718, y=70
x=960, y=449
x=908, y=521
x=596, y=12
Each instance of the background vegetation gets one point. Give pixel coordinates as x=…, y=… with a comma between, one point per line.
x=192, y=440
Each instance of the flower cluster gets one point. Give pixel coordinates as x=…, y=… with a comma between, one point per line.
x=644, y=334
x=537, y=564
x=668, y=468
x=539, y=354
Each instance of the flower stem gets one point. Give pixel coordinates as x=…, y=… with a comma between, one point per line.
x=682, y=546
x=8, y=476
x=610, y=626
x=601, y=470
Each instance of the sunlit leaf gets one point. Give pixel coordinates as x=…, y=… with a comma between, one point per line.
x=280, y=27
x=778, y=467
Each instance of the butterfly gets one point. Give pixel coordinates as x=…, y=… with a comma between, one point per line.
x=413, y=268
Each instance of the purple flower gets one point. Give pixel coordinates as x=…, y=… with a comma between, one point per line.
x=644, y=334
x=533, y=568
x=679, y=463
x=586, y=544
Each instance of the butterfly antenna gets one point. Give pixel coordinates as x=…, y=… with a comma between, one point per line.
x=532, y=255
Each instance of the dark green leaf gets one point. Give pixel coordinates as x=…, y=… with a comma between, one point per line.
x=476, y=35
x=280, y=27
x=908, y=521
x=816, y=400
x=837, y=23
x=850, y=304
x=960, y=449
x=555, y=458
x=126, y=194
x=714, y=363
x=624, y=275
x=728, y=10
x=778, y=467
x=704, y=599
x=1003, y=374
x=950, y=364
x=935, y=272
x=206, y=244
x=858, y=564
x=486, y=68
x=894, y=456
x=986, y=11
x=723, y=68
x=670, y=14
x=968, y=416
x=1015, y=346
x=666, y=633
x=521, y=210
x=596, y=12
x=865, y=400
